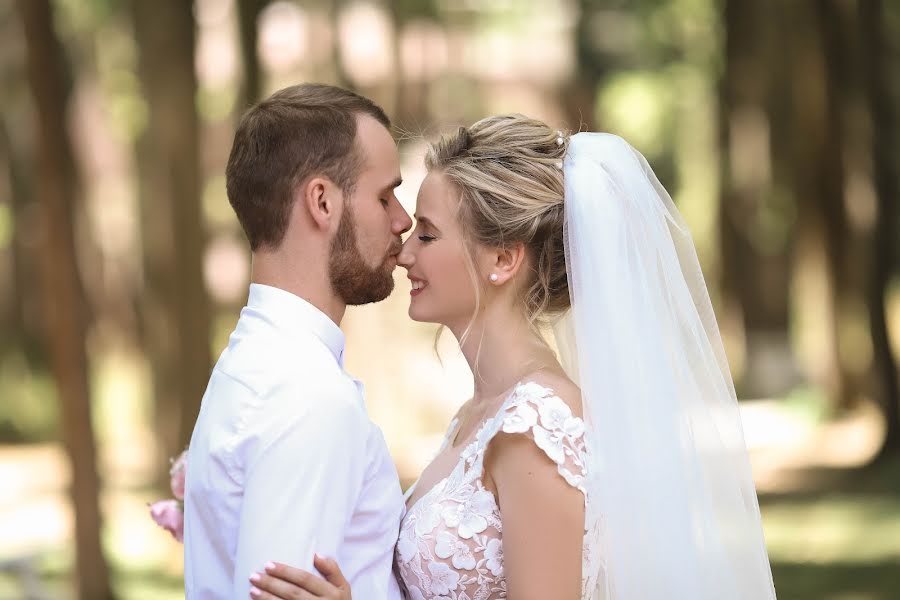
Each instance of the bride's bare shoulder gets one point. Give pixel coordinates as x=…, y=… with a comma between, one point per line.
x=562, y=386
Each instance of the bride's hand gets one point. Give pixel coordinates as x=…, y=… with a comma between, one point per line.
x=281, y=582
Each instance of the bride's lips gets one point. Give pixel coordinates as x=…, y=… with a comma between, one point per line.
x=418, y=286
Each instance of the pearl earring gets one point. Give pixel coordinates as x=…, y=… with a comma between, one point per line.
x=494, y=277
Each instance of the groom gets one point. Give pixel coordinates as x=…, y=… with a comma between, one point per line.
x=284, y=461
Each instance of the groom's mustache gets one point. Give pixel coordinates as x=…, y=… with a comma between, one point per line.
x=395, y=249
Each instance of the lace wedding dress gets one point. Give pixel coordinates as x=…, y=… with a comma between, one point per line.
x=451, y=539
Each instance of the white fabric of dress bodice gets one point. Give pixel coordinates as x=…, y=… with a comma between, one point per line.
x=451, y=538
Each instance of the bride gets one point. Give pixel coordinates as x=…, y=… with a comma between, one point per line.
x=617, y=471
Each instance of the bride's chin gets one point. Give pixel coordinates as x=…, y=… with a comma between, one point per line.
x=418, y=316
x=413, y=314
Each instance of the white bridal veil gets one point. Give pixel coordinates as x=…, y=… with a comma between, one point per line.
x=669, y=486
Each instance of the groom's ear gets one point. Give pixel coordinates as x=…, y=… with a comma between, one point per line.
x=507, y=262
x=320, y=199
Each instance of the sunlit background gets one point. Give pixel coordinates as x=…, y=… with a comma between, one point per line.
x=122, y=267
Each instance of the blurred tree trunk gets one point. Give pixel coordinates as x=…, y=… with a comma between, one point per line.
x=817, y=169
x=408, y=97
x=844, y=245
x=340, y=77
x=23, y=309
x=10, y=324
x=579, y=98
x=10, y=185
x=410, y=110
x=175, y=305
x=248, y=26
x=753, y=216
x=22, y=320
x=65, y=304
x=878, y=71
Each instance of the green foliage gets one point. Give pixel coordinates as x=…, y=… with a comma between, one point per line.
x=408, y=10
x=28, y=412
x=84, y=15
x=639, y=105
x=116, y=55
x=216, y=104
x=6, y=225
x=807, y=402
x=826, y=544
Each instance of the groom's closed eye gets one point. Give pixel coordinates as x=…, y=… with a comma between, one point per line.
x=387, y=192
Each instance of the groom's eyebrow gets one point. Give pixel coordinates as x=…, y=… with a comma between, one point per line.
x=393, y=185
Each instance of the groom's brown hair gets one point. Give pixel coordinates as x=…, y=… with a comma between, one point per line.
x=300, y=131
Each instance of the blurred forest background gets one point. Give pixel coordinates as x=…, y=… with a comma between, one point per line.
x=122, y=268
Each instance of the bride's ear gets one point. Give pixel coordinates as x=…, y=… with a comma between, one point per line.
x=505, y=263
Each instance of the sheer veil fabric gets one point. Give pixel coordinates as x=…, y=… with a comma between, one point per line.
x=669, y=482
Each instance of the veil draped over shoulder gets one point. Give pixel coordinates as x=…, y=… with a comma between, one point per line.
x=670, y=492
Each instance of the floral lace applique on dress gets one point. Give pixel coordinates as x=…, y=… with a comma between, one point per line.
x=450, y=545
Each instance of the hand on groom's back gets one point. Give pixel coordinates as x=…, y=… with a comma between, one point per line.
x=283, y=582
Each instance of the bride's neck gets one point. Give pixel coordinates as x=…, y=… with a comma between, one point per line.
x=501, y=348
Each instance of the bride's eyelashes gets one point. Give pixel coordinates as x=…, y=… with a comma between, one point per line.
x=427, y=238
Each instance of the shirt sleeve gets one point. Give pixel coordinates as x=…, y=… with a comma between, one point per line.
x=301, y=489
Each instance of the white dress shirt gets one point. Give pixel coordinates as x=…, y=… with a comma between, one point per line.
x=284, y=461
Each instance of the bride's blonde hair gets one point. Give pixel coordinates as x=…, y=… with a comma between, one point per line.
x=508, y=170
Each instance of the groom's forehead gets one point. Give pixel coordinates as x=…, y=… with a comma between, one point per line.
x=379, y=153
x=371, y=134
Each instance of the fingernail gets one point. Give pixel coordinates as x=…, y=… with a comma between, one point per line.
x=254, y=592
x=255, y=577
x=270, y=566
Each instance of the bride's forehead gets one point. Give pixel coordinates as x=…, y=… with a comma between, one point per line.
x=434, y=196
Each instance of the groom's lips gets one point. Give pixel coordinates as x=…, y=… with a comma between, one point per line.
x=421, y=284
x=392, y=259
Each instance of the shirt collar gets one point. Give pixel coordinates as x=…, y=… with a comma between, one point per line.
x=293, y=315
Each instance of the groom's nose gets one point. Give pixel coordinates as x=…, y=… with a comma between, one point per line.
x=400, y=219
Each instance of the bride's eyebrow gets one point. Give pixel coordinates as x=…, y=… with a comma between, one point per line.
x=426, y=221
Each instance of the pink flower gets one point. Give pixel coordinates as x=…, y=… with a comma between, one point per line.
x=169, y=515
x=177, y=474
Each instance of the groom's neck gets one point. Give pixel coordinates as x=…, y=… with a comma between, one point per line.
x=303, y=278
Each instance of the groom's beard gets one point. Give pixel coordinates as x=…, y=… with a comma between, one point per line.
x=354, y=281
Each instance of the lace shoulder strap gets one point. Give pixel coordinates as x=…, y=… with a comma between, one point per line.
x=537, y=412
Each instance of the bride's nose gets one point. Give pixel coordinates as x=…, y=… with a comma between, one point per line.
x=406, y=258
